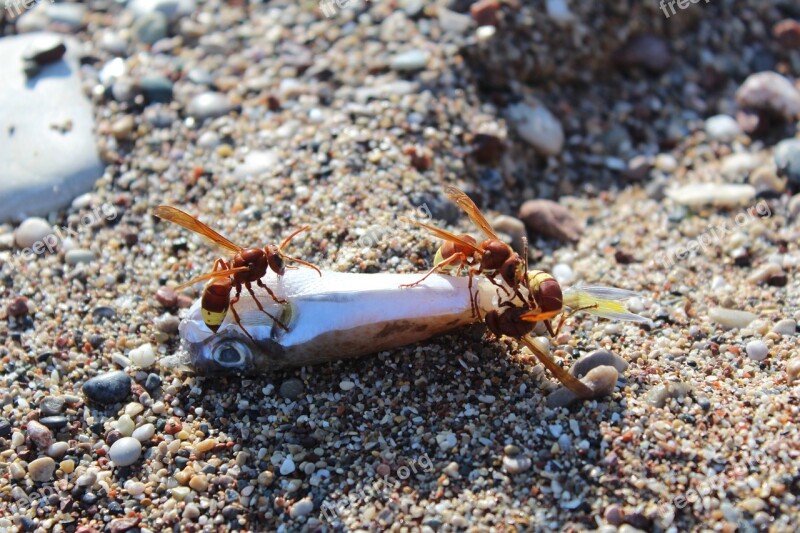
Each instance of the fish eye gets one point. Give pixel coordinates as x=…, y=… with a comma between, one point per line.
x=229, y=355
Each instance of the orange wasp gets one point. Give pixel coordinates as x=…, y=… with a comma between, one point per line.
x=492, y=257
x=245, y=267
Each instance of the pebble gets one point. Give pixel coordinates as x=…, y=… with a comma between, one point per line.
x=602, y=380
x=757, y=350
x=152, y=382
x=167, y=323
x=54, y=422
x=109, y=388
x=769, y=91
x=57, y=450
x=122, y=128
x=41, y=435
x=410, y=60
x=517, y=464
x=787, y=33
x=5, y=428
x=717, y=194
x=156, y=89
x=793, y=369
x=135, y=488
x=660, y=394
x=513, y=227
x=722, y=128
x=125, y=451
x=144, y=356
x=71, y=166
x=731, y=318
x=18, y=307
x=766, y=181
x=558, y=11
x=347, y=385
x=446, y=440
x=291, y=389
x=787, y=160
x=180, y=493
x=78, y=256
x=30, y=231
x=52, y=405
x=484, y=12
x=765, y=273
x=538, y=127
x=648, y=51
x=42, y=469
x=794, y=208
x=739, y=165
x=301, y=508
x=786, y=326
x=597, y=358
x=125, y=425
x=563, y=274
x=209, y=105
x=550, y=220
x=167, y=296
x=150, y=28
x=205, y=445
x=144, y=433
x=199, y=483
x=287, y=466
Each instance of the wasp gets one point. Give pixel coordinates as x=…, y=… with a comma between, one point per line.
x=545, y=301
x=493, y=258
x=244, y=267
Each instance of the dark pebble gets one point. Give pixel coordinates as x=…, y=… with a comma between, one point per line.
x=52, y=405
x=103, y=312
x=181, y=462
x=5, y=428
x=88, y=499
x=54, y=422
x=646, y=51
x=97, y=341
x=291, y=389
x=112, y=436
x=787, y=33
x=108, y=388
x=156, y=89
x=19, y=307
x=487, y=148
x=152, y=382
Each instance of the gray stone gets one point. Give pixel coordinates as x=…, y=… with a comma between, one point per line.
x=108, y=388
x=209, y=105
x=48, y=153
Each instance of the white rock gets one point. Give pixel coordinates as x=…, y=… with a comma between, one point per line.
x=144, y=356
x=517, y=464
x=452, y=22
x=144, y=433
x=51, y=156
x=739, y=165
x=411, y=60
x=731, y=318
x=257, y=164
x=446, y=440
x=558, y=10
x=125, y=451
x=757, y=350
x=301, y=508
x=538, y=127
x=32, y=230
x=347, y=385
x=563, y=274
x=287, y=467
x=785, y=327
x=171, y=8
x=770, y=90
x=718, y=194
x=723, y=128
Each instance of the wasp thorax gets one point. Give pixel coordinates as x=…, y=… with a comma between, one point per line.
x=495, y=253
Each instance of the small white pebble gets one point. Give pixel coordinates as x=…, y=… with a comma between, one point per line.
x=346, y=385
x=125, y=451
x=144, y=356
x=757, y=350
x=301, y=508
x=144, y=433
x=287, y=467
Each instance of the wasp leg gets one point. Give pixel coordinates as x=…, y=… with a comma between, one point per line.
x=565, y=316
x=234, y=301
x=261, y=307
x=568, y=380
x=434, y=269
x=264, y=286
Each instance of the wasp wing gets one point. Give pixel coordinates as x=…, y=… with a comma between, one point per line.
x=602, y=301
x=463, y=201
x=173, y=214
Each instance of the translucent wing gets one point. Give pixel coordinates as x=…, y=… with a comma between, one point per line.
x=173, y=214
x=444, y=235
x=212, y=275
x=463, y=201
x=601, y=301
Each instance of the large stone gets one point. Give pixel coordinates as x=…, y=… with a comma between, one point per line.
x=48, y=154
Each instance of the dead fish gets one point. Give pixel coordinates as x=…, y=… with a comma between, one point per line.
x=335, y=316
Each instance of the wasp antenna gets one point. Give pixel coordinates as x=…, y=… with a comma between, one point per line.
x=304, y=263
x=292, y=236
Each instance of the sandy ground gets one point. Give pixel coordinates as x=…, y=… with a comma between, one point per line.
x=453, y=434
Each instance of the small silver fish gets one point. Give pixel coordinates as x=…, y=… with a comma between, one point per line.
x=335, y=316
